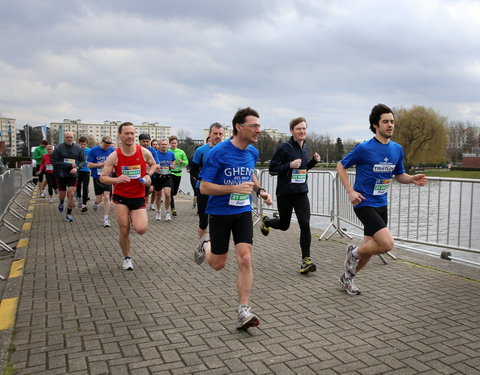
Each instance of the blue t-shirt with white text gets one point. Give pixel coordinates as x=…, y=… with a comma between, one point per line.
x=164, y=161
x=228, y=165
x=376, y=164
x=98, y=155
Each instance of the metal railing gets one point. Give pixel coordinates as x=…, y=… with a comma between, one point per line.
x=443, y=214
x=9, y=204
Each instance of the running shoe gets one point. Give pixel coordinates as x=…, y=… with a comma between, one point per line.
x=158, y=216
x=80, y=204
x=152, y=207
x=349, y=285
x=127, y=264
x=307, y=266
x=56, y=191
x=199, y=253
x=174, y=212
x=70, y=218
x=95, y=206
x=60, y=207
x=350, y=261
x=167, y=216
x=106, y=222
x=264, y=228
x=247, y=319
x=50, y=200
x=84, y=208
x=42, y=195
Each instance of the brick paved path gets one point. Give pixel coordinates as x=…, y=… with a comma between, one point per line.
x=79, y=313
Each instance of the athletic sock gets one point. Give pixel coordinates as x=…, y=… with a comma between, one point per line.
x=242, y=307
x=355, y=253
x=69, y=211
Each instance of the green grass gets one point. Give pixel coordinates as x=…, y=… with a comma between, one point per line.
x=9, y=369
x=452, y=174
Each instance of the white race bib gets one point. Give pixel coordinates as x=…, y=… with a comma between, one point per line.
x=164, y=170
x=239, y=200
x=49, y=167
x=381, y=187
x=69, y=161
x=132, y=171
x=299, y=176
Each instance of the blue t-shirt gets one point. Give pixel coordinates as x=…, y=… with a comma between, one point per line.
x=200, y=157
x=154, y=153
x=165, y=160
x=86, y=151
x=98, y=155
x=376, y=164
x=228, y=165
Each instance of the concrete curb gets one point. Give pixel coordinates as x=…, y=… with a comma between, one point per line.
x=11, y=295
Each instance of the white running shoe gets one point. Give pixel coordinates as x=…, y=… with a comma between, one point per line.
x=106, y=222
x=158, y=216
x=167, y=216
x=152, y=207
x=247, y=319
x=42, y=195
x=127, y=264
x=95, y=206
x=50, y=200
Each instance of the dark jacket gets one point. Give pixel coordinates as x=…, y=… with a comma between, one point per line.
x=280, y=166
x=62, y=151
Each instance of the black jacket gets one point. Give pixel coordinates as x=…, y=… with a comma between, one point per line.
x=280, y=166
x=62, y=152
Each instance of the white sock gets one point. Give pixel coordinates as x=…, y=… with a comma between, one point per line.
x=355, y=253
x=242, y=307
x=105, y=216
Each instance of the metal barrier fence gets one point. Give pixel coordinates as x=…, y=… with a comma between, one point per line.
x=8, y=202
x=443, y=214
x=321, y=192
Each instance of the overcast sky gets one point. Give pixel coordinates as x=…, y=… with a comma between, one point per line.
x=187, y=64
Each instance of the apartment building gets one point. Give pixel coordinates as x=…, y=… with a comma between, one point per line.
x=8, y=136
x=110, y=128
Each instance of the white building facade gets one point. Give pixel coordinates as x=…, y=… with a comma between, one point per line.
x=110, y=128
x=8, y=135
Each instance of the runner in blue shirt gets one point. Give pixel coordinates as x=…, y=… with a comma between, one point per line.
x=200, y=156
x=83, y=177
x=228, y=177
x=144, y=140
x=96, y=160
x=163, y=181
x=377, y=161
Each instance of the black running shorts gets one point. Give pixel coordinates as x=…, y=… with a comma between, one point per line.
x=240, y=225
x=100, y=187
x=131, y=203
x=372, y=218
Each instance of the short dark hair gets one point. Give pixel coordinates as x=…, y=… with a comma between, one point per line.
x=45, y=142
x=297, y=121
x=153, y=140
x=82, y=139
x=172, y=137
x=143, y=136
x=214, y=125
x=376, y=113
x=122, y=125
x=241, y=115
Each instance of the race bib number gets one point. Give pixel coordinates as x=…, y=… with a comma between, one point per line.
x=299, y=176
x=69, y=161
x=49, y=167
x=239, y=200
x=164, y=170
x=132, y=171
x=99, y=171
x=381, y=186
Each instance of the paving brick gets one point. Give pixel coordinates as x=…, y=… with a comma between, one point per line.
x=171, y=316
